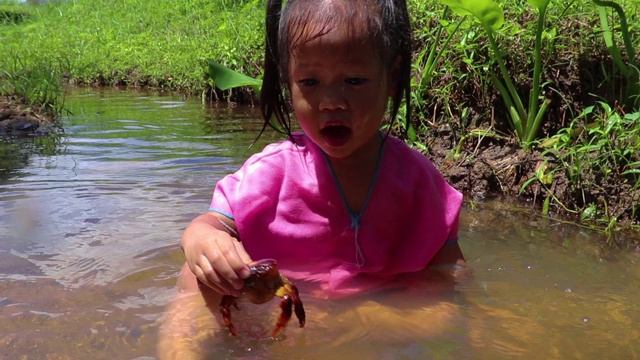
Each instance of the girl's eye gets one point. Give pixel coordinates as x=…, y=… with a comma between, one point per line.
x=356, y=81
x=308, y=82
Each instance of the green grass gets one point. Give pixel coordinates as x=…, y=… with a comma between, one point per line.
x=140, y=43
x=38, y=82
x=12, y=13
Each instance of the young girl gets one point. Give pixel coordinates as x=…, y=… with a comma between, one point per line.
x=340, y=205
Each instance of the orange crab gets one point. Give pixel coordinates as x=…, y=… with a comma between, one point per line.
x=262, y=285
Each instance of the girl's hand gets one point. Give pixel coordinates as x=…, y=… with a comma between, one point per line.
x=214, y=254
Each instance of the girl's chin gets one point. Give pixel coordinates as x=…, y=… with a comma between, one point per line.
x=335, y=153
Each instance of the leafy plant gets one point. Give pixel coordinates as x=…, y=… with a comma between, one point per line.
x=605, y=150
x=630, y=71
x=544, y=175
x=428, y=58
x=425, y=67
x=525, y=122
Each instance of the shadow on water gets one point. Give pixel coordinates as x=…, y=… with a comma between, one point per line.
x=15, y=153
x=89, y=256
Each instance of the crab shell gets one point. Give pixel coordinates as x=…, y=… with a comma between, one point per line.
x=265, y=281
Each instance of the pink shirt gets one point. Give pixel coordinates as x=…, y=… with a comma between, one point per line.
x=287, y=206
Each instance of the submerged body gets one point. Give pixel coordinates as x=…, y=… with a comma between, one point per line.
x=192, y=327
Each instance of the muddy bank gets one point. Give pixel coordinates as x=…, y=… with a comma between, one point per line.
x=18, y=119
x=501, y=169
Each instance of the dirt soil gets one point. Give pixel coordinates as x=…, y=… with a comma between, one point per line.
x=498, y=169
x=18, y=119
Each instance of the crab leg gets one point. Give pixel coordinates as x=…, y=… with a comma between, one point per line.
x=299, y=309
x=225, y=310
x=286, y=305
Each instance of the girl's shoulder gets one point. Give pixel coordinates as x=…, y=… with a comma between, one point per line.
x=291, y=156
x=407, y=159
x=290, y=147
x=407, y=169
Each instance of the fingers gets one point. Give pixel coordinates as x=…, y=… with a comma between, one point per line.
x=244, y=273
x=223, y=265
x=203, y=279
x=219, y=271
x=214, y=254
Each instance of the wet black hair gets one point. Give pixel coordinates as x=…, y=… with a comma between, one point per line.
x=385, y=22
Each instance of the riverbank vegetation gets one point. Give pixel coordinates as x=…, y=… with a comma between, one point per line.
x=533, y=99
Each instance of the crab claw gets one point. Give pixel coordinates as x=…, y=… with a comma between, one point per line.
x=299, y=309
x=286, y=304
x=289, y=301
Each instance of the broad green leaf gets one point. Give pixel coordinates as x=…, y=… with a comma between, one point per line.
x=487, y=12
x=225, y=78
x=632, y=116
x=541, y=5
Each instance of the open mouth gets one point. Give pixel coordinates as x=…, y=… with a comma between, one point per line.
x=336, y=135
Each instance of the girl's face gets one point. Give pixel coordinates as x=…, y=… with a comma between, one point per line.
x=339, y=90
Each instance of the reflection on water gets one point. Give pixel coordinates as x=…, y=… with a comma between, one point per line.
x=89, y=229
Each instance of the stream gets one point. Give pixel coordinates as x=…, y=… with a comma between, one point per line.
x=90, y=222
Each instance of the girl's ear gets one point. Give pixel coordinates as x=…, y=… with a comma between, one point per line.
x=394, y=77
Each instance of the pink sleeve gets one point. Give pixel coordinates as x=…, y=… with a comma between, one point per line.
x=253, y=186
x=238, y=188
x=225, y=189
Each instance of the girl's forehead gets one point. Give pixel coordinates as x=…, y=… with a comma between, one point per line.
x=332, y=52
x=335, y=36
x=349, y=29
x=339, y=37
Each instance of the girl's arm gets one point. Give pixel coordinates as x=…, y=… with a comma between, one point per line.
x=449, y=261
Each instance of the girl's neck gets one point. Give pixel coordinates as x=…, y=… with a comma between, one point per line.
x=365, y=157
x=355, y=174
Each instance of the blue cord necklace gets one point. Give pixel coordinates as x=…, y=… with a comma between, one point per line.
x=355, y=217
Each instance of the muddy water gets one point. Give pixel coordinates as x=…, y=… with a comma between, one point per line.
x=90, y=221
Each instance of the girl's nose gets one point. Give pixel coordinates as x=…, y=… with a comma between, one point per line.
x=333, y=98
